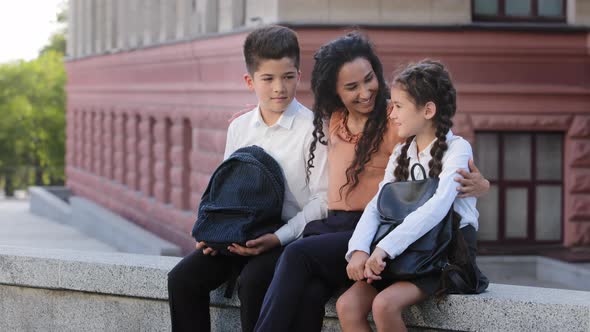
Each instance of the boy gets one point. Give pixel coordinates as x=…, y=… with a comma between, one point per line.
x=283, y=127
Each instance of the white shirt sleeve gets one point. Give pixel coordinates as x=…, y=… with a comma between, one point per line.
x=317, y=205
x=430, y=214
x=230, y=141
x=367, y=226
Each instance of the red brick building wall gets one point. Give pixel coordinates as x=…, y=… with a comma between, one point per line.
x=146, y=128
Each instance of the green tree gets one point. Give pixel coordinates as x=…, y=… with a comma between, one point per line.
x=57, y=41
x=32, y=109
x=11, y=79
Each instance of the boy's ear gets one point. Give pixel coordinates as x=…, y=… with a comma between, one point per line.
x=429, y=110
x=298, y=76
x=249, y=81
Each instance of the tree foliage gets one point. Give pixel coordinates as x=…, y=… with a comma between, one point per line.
x=57, y=41
x=32, y=118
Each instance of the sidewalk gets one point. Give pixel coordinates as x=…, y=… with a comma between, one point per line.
x=19, y=227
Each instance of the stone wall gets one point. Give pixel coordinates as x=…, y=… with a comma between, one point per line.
x=61, y=290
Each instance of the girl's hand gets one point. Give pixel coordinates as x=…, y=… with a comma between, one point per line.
x=375, y=265
x=356, y=266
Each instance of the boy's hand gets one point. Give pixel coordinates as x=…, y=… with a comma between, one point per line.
x=356, y=266
x=375, y=265
x=206, y=250
x=473, y=184
x=256, y=246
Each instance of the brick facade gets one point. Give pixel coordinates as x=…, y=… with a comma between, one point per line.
x=146, y=128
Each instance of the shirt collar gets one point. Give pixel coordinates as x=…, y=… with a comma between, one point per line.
x=286, y=119
x=413, y=149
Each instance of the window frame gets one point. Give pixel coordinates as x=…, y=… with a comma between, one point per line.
x=531, y=185
x=533, y=17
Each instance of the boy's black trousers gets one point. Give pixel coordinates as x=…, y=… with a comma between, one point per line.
x=196, y=275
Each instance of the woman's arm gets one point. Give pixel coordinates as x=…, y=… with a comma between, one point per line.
x=472, y=183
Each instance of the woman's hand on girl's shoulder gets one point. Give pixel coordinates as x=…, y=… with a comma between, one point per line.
x=472, y=183
x=356, y=266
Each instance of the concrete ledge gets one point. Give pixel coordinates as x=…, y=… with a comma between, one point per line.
x=34, y=309
x=50, y=204
x=99, y=223
x=546, y=271
x=42, y=288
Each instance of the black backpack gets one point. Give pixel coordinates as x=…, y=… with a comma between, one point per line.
x=243, y=200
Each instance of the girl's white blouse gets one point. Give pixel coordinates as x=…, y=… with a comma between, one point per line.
x=428, y=215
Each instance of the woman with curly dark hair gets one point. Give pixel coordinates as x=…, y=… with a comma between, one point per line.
x=351, y=117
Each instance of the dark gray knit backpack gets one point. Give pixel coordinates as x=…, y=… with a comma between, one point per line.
x=243, y=200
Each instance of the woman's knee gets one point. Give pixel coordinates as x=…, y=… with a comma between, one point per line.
x=294, y=251
x=292, y=260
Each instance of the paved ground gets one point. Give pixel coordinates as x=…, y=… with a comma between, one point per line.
x=19, y=227
x=505, y=277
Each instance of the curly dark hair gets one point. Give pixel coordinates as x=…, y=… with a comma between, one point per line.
x=428, y=81
x=329, y=59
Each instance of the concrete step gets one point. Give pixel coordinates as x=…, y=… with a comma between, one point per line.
x=20, y=227
x=98, y=222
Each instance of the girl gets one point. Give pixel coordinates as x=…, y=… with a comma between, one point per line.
x=424, y=102
x=349, y=92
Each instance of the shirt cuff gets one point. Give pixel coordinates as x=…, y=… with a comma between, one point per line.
x=390, y=246
x=285, y=234
x=348, y=255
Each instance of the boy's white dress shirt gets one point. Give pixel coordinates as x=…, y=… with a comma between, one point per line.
x=428, y=215
x=288, y=141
